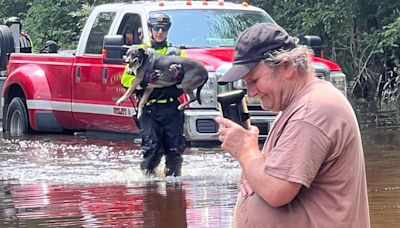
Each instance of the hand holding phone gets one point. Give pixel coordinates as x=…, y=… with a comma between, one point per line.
x=233, y=106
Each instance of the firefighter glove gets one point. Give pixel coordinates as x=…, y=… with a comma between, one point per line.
x=177, y=72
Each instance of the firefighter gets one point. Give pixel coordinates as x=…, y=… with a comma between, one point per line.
x=25, y=41
x=161, y=124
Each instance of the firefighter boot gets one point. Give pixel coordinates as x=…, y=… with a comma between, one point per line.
x=151, y=159
x=173, y=166
x=146, y=171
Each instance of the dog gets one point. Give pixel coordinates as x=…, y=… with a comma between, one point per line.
x=142, y=62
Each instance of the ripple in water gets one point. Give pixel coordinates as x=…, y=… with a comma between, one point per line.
x=70, y=160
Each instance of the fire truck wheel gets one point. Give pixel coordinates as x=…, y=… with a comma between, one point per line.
x=17, y=121
x=6, y=46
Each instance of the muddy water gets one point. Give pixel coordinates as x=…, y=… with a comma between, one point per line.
x=382, y=155
x=67, y=181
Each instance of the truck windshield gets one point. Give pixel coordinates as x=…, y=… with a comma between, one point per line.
x=211, y=28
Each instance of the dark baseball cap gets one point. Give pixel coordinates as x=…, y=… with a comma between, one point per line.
x=253, y=45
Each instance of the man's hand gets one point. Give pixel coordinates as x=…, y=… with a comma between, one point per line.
x=241, y=143
x=151, y=77
x=245, y=188
x=177, y=71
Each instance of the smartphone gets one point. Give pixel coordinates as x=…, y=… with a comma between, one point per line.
x=233, y=106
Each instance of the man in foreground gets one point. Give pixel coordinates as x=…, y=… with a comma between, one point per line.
x=311, y=171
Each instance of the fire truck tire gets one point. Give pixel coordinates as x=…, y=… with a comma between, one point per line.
x=6, y=46
x=17, y=121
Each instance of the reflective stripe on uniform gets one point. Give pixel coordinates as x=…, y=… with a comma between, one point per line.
x=127, y=79
x=160, y=101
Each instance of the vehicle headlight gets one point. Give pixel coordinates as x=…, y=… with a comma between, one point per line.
x=338, y=79
x=240, y=84
x=219, y=72
x=208, y=94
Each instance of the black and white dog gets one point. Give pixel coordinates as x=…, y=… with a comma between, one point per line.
x=143, y=61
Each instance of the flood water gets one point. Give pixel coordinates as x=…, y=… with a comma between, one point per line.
x=69, y=181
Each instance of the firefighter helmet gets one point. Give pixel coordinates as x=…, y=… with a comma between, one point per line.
x=13, y=20
x=159, y=19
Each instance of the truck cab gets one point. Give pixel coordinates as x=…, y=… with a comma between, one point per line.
x=77, y=90
x=207, y=33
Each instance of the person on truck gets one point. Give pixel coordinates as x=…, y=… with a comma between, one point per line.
x=311, y=170
x=129, y=38
x=139, y=35
x=134, y=36
x=161, y=124
x=25, y=41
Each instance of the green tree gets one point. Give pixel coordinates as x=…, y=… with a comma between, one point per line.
x=18, y=8
x=58, y=20
x=352, y=31
x=55, y=20
x=362, y=36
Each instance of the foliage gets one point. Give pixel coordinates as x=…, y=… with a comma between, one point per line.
x=43, y=22
x=390, y=40
x=18, y=8
x=58, y=20
x=360, y=35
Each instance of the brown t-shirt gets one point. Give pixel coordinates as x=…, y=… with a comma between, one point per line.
x=315, y=142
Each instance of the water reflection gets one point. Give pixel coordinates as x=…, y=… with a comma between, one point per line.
x=382, y=156
x=67, y=181
x=58, y=180
x=151, y=204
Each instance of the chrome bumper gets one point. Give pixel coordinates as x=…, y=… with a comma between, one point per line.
x=200, y=124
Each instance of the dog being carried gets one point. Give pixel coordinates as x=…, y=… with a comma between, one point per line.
x=142, y=62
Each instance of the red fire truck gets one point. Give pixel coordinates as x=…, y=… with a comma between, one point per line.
x=76, y=90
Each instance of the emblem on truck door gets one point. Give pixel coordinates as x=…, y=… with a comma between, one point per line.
x=122, y=111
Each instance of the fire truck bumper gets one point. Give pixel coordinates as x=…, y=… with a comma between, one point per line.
x=200, y=124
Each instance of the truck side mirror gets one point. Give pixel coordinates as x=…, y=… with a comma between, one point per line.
x=315, y=43
x=114, y=49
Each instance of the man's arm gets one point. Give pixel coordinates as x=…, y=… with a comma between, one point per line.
x=242, y=144
x=276, y=192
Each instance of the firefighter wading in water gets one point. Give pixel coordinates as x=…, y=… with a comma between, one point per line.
x=161, y=124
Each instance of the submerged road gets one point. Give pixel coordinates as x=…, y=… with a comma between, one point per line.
x=70, y=181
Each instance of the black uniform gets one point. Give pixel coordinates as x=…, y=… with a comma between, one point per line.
x=161, y=128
